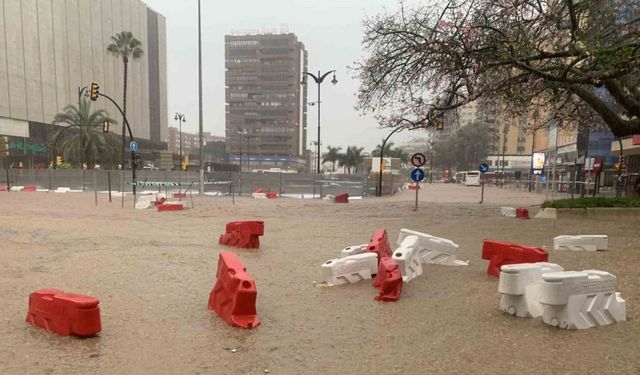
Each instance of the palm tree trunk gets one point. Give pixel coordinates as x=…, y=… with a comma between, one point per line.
x=124, y=110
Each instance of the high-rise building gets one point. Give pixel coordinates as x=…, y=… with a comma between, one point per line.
x=50, y=49
x=266, y=120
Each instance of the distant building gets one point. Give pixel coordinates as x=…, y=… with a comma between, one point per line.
x=50, y=49
x=266, y=120
x=190, y=141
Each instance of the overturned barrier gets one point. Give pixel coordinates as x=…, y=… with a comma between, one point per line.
x=520, y=288
x=243, y=234
x=234, y=295
x=499, y=253
x=30, y=188
x=65, y=314
x=353, y=250
x=581, y=242
x=341, y=198
x=388, y=280
x=433, y=250
x=408, y=259
x=379, y=244
x=350, y=269
x=581, y=300
x=170, y=206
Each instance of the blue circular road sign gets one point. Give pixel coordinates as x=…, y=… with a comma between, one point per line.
x=417, y=175
x=484, y=168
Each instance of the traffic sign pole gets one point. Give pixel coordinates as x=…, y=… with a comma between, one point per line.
x=417, y=189
x=483, y=168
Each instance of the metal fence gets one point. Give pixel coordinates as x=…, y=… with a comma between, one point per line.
x=225, y=183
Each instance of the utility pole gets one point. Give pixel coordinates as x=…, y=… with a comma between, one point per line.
x=200, y=140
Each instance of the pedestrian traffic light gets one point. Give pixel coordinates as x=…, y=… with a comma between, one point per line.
x=58, y=160
x=95, y=91
x=105, y=126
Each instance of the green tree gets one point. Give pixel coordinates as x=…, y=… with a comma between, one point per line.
x=465, y=149
x=351, y=159
x=125, y=45
x=332, y=156
x=85, y=142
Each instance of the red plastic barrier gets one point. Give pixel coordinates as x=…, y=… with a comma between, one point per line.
x=388, y=280
x=522, y=213
x=243, y=234
x=64, y=313
x=342, y=198
x=160, y=201
x=414, y=187
x=233, y=297
x=29, y=188
x=500, y=253
x=271, y=195
x=259, y=191
x=179, y=195
x=379, y=244
x=170, y=207
x=3, y=187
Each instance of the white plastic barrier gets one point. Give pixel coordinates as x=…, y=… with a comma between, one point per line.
x=42, y=190
x=16, y=188
x=520, y=288
x=62, y=190
x=351, y=269
x=259, y=195
x=433, y=250
x=581, y=242
x=353, y=250
x=581, y=300
x=144, y=201
x=508, y=211
x=408, y=258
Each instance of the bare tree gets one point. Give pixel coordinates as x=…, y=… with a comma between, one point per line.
x=580, y=58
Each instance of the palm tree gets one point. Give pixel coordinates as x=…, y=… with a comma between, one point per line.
x=332, y=156
x=86, y=143
x=125, y=45
x=352, y=158
x=390, y=152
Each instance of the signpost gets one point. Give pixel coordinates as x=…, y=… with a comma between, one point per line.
x=483, y=168
x=417, y=175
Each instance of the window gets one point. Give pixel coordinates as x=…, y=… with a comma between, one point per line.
x=243, y=43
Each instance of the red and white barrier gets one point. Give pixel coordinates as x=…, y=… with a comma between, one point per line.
x=581, y=242
x=581, y=300
x=350, y=269
x=408, y=258
x=520, y=288
x=353, y=250
x=433, y=250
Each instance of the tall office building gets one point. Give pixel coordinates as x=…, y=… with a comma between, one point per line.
x=49, y=49
x=266, y=121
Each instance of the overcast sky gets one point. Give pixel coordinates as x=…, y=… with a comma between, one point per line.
x=330, y=30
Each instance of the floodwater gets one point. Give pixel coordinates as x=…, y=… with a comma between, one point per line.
x=153, y=273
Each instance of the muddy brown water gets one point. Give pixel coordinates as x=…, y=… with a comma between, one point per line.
x=153, y=273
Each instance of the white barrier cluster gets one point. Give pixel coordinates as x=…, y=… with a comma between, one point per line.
x=581, y=300
x=408, y=258
x=565, y=299
x=433, y=250
x=353, y=250
x=581, y=242
x=16, y=188
x=508, y=211
x=350, y=269
x=520, y=288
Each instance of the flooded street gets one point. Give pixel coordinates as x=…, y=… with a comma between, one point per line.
x=153, y=272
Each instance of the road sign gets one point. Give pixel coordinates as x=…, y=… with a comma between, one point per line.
x=484, y=168
x=417, y=175
x=418, y=159
x=133, y=146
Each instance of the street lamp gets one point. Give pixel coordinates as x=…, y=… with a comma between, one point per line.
x=318, y=79
x=180, y=118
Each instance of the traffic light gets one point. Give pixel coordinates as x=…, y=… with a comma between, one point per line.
x=136, y=159
x=4, y=146
x=185, y=162
x=95, y=91
x=105, y=126
x=58, y=160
